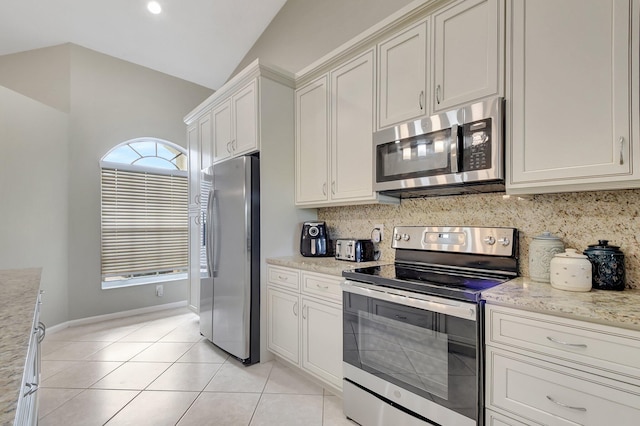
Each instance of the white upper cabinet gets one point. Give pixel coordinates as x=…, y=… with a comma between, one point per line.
x=572, y=111
x=468, y=59
x=222, y=138
x=235, y=124
x=402, y=76
x=334, y=136
x=352, y=101
x=205, y=134
x=312, y=142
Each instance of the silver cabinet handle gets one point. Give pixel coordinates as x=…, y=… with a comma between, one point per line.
x=234, y=144
x=573, y=345
x=197, y=220
x=295, y=309
x=333, y=187
x=324, y=287
x=438, y=94
x=421, y=100
x=324, y=188
x=565, y=405
x=31, y=388
x=42, y=331
x=621, y=140
x=229, y=146
x=304, y=311
x=197, y=198
x=280, y=277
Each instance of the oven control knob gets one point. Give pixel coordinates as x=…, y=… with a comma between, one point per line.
x=490, y=240
x=397, y=394
x=397, y=237
x=405, y=237
x=504, y=241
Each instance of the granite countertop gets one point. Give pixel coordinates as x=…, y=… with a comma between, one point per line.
x=614, y=308
x=18, y=296
x=323, y=265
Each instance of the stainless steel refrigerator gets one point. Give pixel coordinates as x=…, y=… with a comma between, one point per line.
x=230, y=257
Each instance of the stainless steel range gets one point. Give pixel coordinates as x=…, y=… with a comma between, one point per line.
x=413, y=334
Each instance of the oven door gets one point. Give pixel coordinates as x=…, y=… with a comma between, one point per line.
x=415, y=353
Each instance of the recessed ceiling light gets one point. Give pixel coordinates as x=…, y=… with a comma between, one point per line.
x=154, y=7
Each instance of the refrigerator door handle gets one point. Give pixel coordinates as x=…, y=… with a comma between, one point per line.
x=215, y=230
x=209, y=232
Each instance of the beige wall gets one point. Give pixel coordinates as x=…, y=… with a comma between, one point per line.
x=33, y=195
x=108, y=101
x=306, y=30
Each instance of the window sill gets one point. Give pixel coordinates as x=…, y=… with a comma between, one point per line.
x=132, y=282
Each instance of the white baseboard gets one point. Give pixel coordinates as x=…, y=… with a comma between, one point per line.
x=115, y=315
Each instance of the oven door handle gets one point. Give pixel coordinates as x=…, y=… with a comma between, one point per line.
x=439, y=305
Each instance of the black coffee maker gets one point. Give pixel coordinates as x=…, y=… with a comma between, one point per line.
x=314, y=240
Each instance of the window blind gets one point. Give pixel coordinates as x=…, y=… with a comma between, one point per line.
x=145, y=224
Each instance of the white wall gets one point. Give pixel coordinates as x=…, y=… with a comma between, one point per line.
x=33, y=195
x=303, y=31
x=109, y=101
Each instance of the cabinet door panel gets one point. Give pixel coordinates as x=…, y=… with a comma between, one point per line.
x=222, y=133
x=403, y=76
x=312, y=142
x=467, y=45
x=205, y=125
x=245, y=108
x=283, y=324
x=352, y=100
x=569, y=119
x=322, y=341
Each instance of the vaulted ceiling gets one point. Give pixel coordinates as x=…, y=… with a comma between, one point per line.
x=197, y=40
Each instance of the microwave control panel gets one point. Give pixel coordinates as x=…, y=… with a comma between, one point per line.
x=476, y=153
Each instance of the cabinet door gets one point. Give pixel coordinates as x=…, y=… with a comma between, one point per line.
x=222, y=133
x=245, y=120
x=322, y=340
x=283, y=325
x=569, y=120
x=193, y=147
x=194, y=260
x=312, y=142
x=468, y=41
x=352, y=100
x=205, y=134
x=402, y=76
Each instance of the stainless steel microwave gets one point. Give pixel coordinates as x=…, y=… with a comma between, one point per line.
x=455, y=152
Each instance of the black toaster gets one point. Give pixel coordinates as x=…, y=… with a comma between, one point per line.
x=314, y=240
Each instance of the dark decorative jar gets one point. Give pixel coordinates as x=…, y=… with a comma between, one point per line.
x=607, y=266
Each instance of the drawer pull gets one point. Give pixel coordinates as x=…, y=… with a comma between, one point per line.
x=280, y=277
x=401, y=317
x=573, y=345
x=324, y=287
x=565, y=405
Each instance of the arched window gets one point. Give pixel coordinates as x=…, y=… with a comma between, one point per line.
x=144, y=213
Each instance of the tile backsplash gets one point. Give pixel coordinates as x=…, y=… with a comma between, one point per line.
x=578, y=218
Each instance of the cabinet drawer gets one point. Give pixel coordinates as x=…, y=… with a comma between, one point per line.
x=495, y=419
x=592, y=345
x=549, y=394
x=326, y=286
x=283, y=277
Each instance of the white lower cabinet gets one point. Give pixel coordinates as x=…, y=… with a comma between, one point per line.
x=547, y=370
x=304, y=317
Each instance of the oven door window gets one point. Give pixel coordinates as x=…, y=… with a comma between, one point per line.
x=429, y=354
x=415, y=157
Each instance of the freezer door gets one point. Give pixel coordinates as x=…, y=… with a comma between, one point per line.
x=231, y=260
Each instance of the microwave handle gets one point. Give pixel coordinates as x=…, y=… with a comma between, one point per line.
x=456, y=145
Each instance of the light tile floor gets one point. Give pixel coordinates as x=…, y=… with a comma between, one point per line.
x=156, y=369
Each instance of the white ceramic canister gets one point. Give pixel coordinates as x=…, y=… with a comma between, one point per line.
x=541, y=251
x=571, y=271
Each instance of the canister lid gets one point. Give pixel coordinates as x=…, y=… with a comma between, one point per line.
x=546, y=235
x=603, y=247
x=571, y=253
